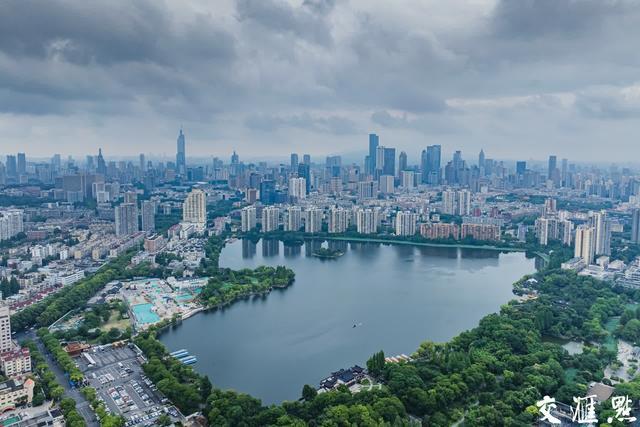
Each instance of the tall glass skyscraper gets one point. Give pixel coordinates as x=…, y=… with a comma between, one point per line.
x=181, y=164
x=373, y=147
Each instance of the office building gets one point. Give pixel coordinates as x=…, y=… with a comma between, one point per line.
x=126, y=215
x=181, y=162
x=21, y=166
x=12, y=166
x=306, y=159
x=194, y=209
x=338, y=220
x=248, y=219
x=270, y=219
x=294, y=162
x=585, y=243
x=406, y=223
x=373, y=149
x=386, y=183
x=304, y=171
x=402, y=162
x=431, y=164
x=407, y=179
x=294, y=219
x=268, y=192
x=313, y=220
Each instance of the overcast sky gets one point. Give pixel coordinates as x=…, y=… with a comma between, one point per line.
x=519, y=78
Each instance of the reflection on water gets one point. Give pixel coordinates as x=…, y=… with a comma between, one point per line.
x=270, y=247
x=402, y=295
x=292, y=251
x=248, y=248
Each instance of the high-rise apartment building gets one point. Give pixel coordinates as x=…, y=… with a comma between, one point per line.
x=297, y=188
x=11, y=223
x=367, y=221
x=148, y=215
x=294, y=219
x=194, y=209
x=270, y=218
x=635, y=225
x=338, y=220
x=602, y=233
x=366, y=190
x=126, y=219
x=248, y=219
x=6, y=344
x=406, y=223
x=585, y=243
x=313, y=220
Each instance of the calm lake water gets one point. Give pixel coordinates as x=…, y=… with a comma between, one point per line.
x=398, y=296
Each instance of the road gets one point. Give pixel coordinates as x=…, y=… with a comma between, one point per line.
x=82, y=405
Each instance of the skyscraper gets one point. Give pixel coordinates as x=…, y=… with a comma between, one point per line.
x=22, y=164
x=181, y=163
x=306, y=159
x=294, y=162
x=267, y=191
x=521, y=167
x=12, y=167
x=194, y=209
x=481, y=159
x=304, y=171
x=101, y=167
x=551, y=169
x=635, y=226
x=142, y=164
x=373, y=147
x=389, y=163
x=433, y=159
x=402, y=161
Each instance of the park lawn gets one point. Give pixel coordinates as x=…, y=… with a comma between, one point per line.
x=114, y=322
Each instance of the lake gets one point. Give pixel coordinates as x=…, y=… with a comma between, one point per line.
x=397, y=295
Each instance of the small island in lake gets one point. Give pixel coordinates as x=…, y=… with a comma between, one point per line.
x=327, y=253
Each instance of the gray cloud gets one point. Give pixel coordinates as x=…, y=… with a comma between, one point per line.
x=319, y=72
x=333, y=124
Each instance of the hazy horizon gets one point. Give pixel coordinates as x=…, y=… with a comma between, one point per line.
x=520, y=79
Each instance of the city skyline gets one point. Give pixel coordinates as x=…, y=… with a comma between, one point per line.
x=497, y=75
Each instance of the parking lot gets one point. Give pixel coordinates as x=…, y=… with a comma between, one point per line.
x=116, y=374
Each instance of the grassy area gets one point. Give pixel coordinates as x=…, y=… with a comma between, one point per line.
x=115, y=322
x=611, y=343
